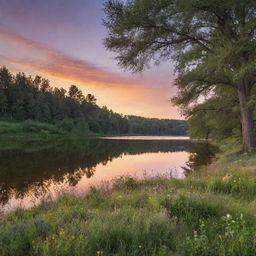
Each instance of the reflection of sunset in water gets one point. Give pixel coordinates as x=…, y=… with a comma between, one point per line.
x=31, y=172
x=146, y=164
x=146, y=138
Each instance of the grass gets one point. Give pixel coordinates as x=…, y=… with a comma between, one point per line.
x=28, y=128
x=36, y=131
x=212, y=212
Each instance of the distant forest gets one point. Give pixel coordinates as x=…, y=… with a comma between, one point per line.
x=25, y=98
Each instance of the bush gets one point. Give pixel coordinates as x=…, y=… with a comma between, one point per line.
x=34, y=127
x=65, y=124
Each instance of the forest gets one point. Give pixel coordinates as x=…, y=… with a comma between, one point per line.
x=23, y=98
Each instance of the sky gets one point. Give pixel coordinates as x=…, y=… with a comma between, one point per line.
x=62, y=40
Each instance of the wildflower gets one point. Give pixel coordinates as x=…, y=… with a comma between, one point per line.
x=140, y=246
x=62, y=232
x=99, y=252
x=73, y=237
x=227, y=177
x=228, y=216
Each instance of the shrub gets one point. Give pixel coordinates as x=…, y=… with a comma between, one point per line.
x=34, y=127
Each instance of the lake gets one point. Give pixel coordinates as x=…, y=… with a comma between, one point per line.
x=33, y=170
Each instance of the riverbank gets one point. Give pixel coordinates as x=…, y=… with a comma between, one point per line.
x=35, y=129
x=212, y=212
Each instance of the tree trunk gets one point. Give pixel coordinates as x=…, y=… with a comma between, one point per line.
x=246, y=120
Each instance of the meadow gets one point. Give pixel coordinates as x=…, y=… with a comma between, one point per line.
x=212, y=212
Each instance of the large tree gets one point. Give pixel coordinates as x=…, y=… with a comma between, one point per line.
x=213, y=44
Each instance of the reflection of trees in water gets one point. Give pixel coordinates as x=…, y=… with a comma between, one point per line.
x=201, y=154
x=33, y=169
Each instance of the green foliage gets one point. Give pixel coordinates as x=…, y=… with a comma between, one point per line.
x=190, y=210
x=10, y=127
x=209, y=119
x=27, y=128
x=131, y=232
x=235, y=237
x=34, y=127
x=152, y=126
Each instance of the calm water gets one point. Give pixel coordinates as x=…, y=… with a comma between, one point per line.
x=30, y=171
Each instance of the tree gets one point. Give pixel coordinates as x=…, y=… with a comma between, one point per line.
x=213, y=44
x=209, y=119
x=90, y=98
x=5, y=82
x=76, y=94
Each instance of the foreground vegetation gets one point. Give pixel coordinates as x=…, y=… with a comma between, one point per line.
x=212, y=212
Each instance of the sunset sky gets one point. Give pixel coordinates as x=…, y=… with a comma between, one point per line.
x=62, y=40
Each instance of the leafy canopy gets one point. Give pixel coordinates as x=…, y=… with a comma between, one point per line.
x=212, y=42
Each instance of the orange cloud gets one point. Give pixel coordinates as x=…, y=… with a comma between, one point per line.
x=63, y=66
x=129, y=96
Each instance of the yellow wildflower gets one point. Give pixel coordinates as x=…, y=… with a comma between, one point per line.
x=140, y=246
x=61, y=232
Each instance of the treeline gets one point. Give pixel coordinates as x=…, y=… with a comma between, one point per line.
x=141, y=125
x=25, y=98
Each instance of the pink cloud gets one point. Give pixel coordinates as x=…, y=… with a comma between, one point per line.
x=126, y=95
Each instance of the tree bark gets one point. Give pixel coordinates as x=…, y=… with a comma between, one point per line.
x=246, y=120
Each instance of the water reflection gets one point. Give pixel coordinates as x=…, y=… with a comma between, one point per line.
x=29, y=169
x=200, y=154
